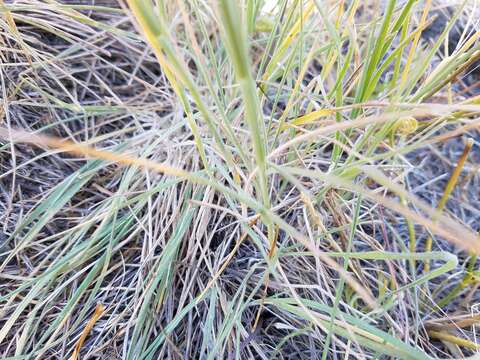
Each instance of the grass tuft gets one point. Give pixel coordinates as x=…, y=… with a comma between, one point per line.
x=239, y=179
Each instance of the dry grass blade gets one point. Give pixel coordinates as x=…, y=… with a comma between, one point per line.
x=87, y=151
x=99, y=310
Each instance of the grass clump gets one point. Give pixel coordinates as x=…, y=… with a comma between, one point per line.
x=238, y=179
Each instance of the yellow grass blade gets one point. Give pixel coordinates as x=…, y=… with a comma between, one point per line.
x=308, y=118
x=99, y=310
x=413, y=48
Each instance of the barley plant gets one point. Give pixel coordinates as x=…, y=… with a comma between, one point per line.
x=239, y=179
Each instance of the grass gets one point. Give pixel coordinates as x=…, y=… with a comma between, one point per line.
x=238, y=179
